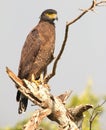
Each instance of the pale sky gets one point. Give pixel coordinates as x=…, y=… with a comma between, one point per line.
x=83, y=58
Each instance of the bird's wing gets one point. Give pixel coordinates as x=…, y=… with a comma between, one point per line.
x=29, y=52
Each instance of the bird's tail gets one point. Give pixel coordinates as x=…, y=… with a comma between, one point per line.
x=23, y=101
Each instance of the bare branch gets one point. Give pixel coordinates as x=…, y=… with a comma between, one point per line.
x=37, y=94
x=78, y=111
x=13, y=77
x=95, y=113
x=53, y=107
x=101, y=3
x=64, y=96
x=40, y=95
x=58, y=57
x=36, y=119
x=91, y=8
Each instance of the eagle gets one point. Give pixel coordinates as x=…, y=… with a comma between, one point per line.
x=37, y=52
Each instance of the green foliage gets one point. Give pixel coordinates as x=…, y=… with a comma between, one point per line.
x=19, y=125
x=47, y=125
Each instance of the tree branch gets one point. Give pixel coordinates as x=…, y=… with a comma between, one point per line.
x=48, y=77
x=40, y=95
x=95, y=113
x=36, y=119
x=53, y=107
x=68, y=24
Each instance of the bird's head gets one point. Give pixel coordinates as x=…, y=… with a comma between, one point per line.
x=49, y=15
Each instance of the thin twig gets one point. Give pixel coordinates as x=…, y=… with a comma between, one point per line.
x=58, y=57
x=83, y=13
x=91, y=8
x=94, y=115
x=100, y=3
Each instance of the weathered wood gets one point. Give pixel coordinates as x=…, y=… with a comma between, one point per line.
x=36, y=119
x=40, y=95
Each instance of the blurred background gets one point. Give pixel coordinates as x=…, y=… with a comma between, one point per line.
x=83, y=60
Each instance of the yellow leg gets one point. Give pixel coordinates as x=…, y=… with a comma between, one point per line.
x=39, y=81
x=41, y=77
x=32, y=78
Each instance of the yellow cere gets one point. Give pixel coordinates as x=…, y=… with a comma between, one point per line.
x=51, y=16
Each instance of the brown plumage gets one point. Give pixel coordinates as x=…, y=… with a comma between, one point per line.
x=37, y=52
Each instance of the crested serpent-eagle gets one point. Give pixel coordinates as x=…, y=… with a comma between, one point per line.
x=37, y=52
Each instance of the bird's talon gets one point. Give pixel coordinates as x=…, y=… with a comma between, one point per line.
x=37, y=82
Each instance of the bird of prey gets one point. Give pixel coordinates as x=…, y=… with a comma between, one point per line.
x=37, y=52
